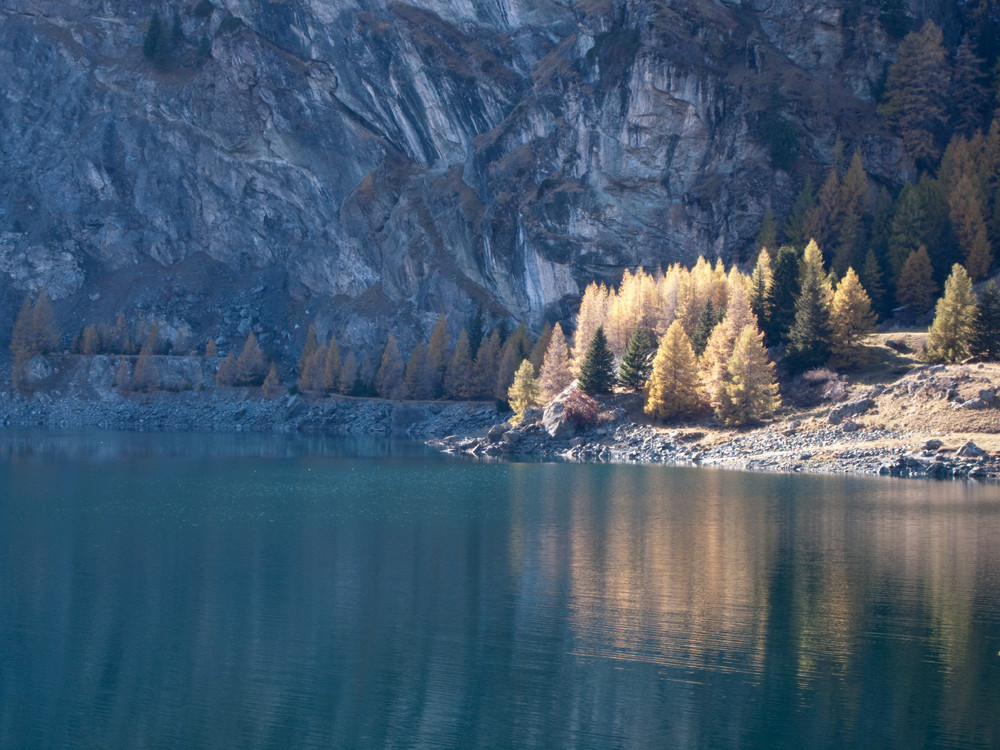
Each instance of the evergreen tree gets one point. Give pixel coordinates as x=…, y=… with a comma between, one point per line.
x=458, y=376
x=331, y=366
x=851, y=319
x=484, y=373
x=968, y=96
x=251, y=365
x=823, y=219
x=795, y=224
x=225, y=373
x=986, y=340
x=271, y=386
x=157, y=44
x=951, y=334
x=673, y=383
x=637, y=362
x=916, y=287
x=597, y=371
x=809, y=337
x=525, y=391
x=707, y=322
x=881, y=228
x=760, y=288
x=916, y=90
x=557, y=369
x=751, y=392
x=871, y=279
x=970, y=228
x=782, y=294
x=895, y=18
x=477, y=329
x=389, y=378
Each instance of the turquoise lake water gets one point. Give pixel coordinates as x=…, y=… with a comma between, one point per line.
x=245, y=591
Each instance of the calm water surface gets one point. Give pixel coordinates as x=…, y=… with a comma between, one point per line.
x=192, y=591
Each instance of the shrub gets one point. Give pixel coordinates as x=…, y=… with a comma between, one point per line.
x=580, y=409
x=203, y=9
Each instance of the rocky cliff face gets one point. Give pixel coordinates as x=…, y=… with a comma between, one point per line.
x=370, y=164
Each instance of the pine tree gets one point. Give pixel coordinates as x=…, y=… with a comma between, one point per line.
x=751, y=392
x=331, y=366
x=389, y=378
x=809, y=337
x=557, y=369
x=970, y=228
x=308, y=349
x=477, y=329
x=673, y=389
x=916, y=287
x=637, y=362
x=986, y=340
x=851, y=319
x=271, y=386
x=795, y=224
x=458, y=376
x=251, y=365
x=597, y=371
x=157, y=44
x=954, y=326
x=147, y=373
x=484, y=372
x=968, y=95
x=225, y=374
x=760, y=288
x=871, y=279
x=707, y=322
x=782, y=295
x=895, y=18
x=916, y=90
x=822, y=221
x=525, y=390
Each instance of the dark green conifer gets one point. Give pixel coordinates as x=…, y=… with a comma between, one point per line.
x=781, y=296
x=703, y=328
x=986, y=338
x=637, y=362
x=597, y=373
x=809, y=336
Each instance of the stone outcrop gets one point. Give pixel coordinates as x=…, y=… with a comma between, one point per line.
x=368, y=164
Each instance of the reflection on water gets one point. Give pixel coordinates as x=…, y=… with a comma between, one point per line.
x=252, y=591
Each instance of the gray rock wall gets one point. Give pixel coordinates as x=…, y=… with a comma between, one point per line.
x=370, y=164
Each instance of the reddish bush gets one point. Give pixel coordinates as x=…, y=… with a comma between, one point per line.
x=580, y=409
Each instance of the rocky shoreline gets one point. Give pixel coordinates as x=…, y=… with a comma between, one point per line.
x=841, y=446
x=848, y=437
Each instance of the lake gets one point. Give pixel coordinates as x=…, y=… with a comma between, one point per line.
x=248, y=591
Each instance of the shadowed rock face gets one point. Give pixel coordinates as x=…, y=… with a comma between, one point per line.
x=372, y=164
